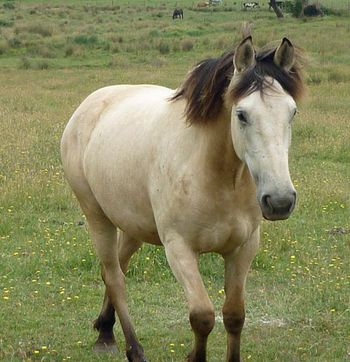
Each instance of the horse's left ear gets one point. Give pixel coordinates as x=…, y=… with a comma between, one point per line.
x=284, y=55
x=244, y=56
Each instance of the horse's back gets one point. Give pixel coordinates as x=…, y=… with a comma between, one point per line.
x=110, y=99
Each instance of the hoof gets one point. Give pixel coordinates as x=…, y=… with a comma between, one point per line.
x=192, y=357
x=110, y=348
x=136, y=354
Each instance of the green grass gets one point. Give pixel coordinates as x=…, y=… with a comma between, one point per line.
x=50, y=290
x=337, y=4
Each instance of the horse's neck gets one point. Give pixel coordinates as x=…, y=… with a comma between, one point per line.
x=215, y=155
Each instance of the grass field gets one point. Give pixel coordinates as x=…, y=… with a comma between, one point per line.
x=52, y=55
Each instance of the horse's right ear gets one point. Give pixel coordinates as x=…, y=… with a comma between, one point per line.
x=284, y=55
x=244, y=56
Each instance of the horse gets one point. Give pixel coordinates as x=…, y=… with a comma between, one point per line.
x=251, y=5
x=203, y=4
x=178, y=13
x=195, y=170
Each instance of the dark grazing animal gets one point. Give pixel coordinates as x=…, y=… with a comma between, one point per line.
x=178, y=13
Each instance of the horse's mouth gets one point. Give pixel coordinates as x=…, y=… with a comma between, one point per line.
x=276, y=217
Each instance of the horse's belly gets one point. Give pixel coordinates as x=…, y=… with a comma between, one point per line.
x=118, y=179
x=126, y=207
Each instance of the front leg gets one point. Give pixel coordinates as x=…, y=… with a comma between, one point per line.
x=184, y=264
x=237, y=265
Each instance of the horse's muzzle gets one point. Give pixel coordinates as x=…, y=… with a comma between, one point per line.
x=276, y=207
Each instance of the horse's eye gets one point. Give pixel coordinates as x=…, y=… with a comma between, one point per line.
x=294, y=114
x=242, y=117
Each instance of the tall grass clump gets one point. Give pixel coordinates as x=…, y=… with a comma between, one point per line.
x=187, y=45
x=41, y=29
x=6, y=23
x=163, y=48
x=9, y=5
x=86, y=40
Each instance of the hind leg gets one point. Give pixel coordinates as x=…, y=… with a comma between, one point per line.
x=104, y=325
x=106, y=342
x=104, y=236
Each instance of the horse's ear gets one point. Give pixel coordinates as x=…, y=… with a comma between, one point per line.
x=284, y=55
x=244, y=56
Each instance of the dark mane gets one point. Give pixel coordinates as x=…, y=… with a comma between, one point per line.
x=207, y=84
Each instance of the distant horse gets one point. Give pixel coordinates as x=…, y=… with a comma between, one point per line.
x=251, y=5
x=178, y=13
x=203, y=4
x=192, y=169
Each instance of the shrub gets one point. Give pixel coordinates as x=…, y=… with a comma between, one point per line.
x=164, y=48
x=295, y=8
x=309, y=10
x=187, y=45
x=86, y=40
x=5, y=22
x=313, y=10
x=9, y=5
x=69, y=50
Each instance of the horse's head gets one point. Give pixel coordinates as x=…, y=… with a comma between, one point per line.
x=261, y=121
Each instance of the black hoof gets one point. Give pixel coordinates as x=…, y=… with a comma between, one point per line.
x=136, y=354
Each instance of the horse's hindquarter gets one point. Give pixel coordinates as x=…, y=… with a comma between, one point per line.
x=107, y=151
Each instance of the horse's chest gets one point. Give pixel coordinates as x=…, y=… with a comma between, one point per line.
x=223, y=233
x=210, y=221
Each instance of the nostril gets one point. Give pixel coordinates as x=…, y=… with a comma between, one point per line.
x=277, y=206
x=266, y=201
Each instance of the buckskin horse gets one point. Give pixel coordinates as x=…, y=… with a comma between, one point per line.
x=193, y=169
